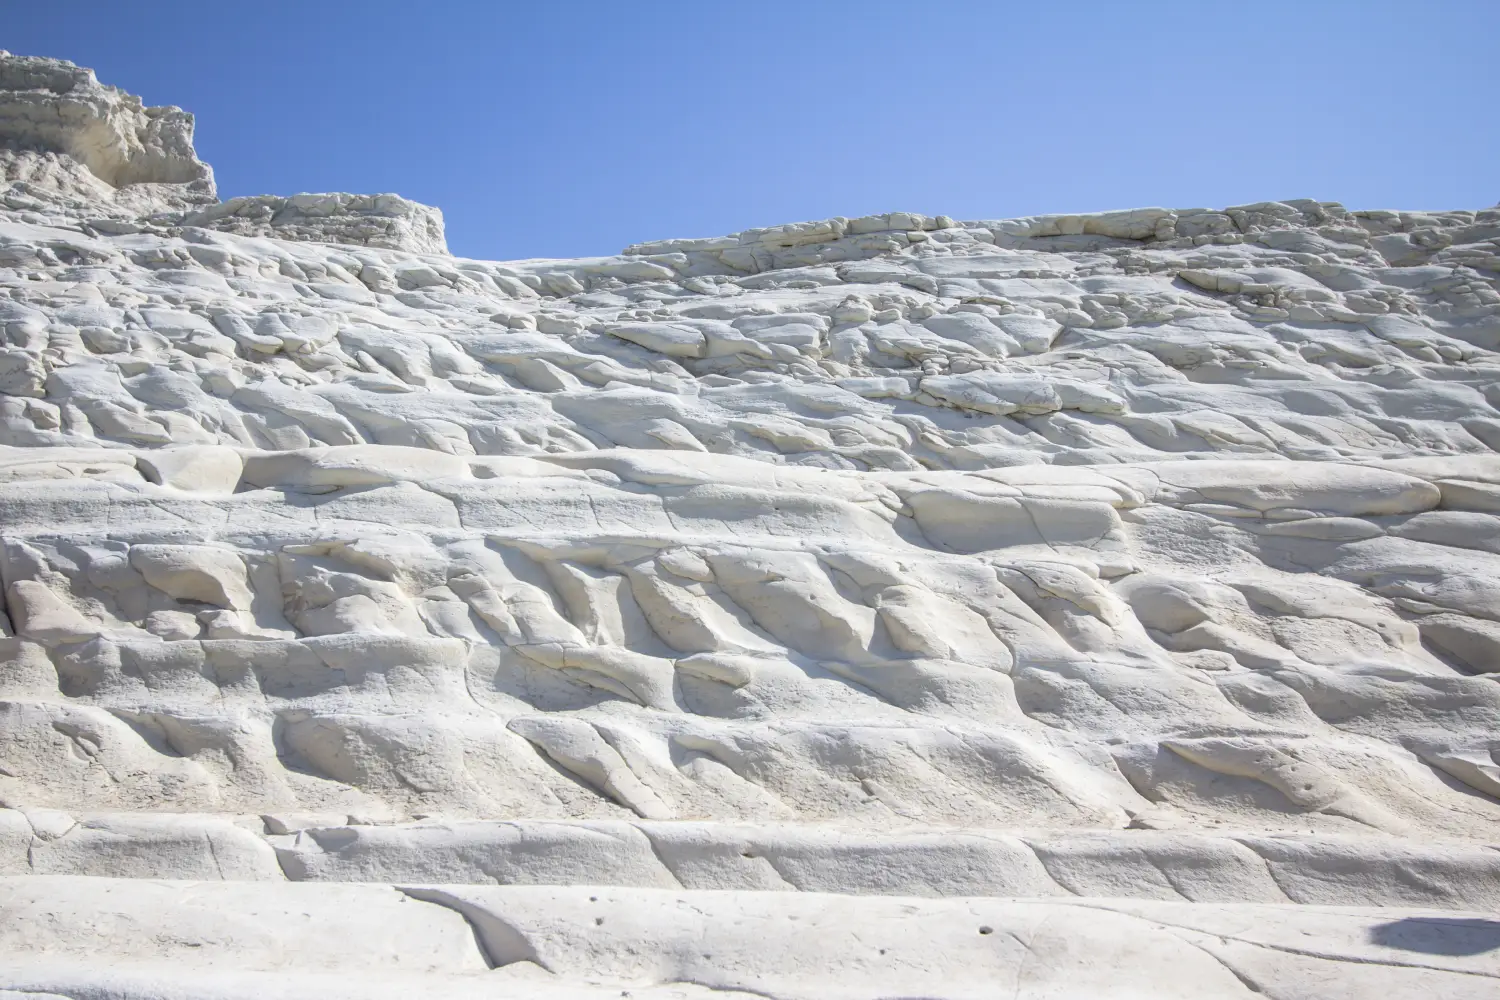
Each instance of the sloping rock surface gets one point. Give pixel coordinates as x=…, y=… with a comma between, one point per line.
x=1145, y=563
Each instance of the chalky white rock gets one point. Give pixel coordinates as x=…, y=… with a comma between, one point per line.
x=1110, y=602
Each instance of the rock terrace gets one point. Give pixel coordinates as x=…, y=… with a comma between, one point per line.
x=553, y=627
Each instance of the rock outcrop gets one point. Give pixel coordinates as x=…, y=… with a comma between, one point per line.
x=74, y=150
x=1113, y=600
x=66, y=137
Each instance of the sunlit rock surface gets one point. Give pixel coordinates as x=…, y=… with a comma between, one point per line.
x=1145, y=563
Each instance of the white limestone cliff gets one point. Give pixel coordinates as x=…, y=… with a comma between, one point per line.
x=63, y=135
x=1110, y=602
x=73, y=148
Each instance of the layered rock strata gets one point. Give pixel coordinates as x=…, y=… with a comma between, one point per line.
x=1141, y=563
x=92, y=157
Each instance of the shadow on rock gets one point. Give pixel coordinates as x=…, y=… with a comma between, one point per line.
x=1439, y=935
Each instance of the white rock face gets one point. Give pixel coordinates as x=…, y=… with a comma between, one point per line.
x=77, y=152
x=381, y=220
x=1142, y=562
x=222, y=940
x=64, y=136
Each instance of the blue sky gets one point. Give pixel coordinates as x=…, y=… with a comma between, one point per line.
x=567, y=129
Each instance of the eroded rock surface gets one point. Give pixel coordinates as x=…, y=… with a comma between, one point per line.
x=76, y=152
x=1147, y=556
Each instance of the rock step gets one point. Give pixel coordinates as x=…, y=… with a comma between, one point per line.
x=1138, y=864
x=225, y=941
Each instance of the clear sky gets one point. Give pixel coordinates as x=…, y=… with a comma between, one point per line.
x=574, y=128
